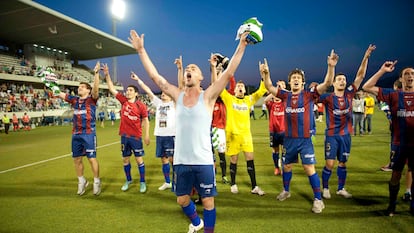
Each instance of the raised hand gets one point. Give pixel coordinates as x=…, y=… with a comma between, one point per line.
x=369, y=50
x=332, y=58
x=97, y=67
x=136, y=40
x=179, y=62
x=388, y=66
x=134, y=76
x=263, y=68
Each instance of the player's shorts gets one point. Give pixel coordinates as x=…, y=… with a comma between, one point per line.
x=294, y=146
x=338, y=147
x=276, y=139
x=201, y=177
x=84, y=144
x=237, y=143
x=218, y=138
x=400, y=156
x=131, y=144
x=164, y=146
x=101, y=118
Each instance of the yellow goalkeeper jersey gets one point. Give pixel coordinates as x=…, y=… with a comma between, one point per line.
x=238, y=110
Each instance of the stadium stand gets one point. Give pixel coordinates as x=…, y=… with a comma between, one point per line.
x=26, y=44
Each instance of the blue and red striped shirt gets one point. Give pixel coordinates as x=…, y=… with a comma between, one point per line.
x=299, y=116
x=338, y=111
x=402, y=114
x=84, y=111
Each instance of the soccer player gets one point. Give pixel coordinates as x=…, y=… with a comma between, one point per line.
x=299, y=122
x=276, y=126
x=193, y=158
x=338, y=107
x=112, y=117
x=238, y=134
x=84, y=130
x=134, y=121
x=401, y=104
x=218, y=123
x=101, y=116
x=164, y=130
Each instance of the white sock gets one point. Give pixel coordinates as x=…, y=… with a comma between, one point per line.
x=96, y=180
x=81, y=179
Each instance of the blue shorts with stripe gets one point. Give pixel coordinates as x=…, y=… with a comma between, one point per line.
x=201, y=177
x=84, y=144
x=131, y=145
x=164, y=146
x=338, y=147
x=292, y=147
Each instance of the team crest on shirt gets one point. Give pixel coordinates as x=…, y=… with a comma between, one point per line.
x=409, y=102
x=350, y=88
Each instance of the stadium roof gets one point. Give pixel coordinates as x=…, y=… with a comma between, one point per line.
x=27, y=22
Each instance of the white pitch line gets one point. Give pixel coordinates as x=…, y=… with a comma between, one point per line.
x=47, y=160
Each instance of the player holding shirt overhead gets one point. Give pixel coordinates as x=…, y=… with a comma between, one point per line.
x=133, y=114
x=193, y=158
x=276, y=126
x=401, y=104
x=84, y=130
x=299, y=121
x=338, y=107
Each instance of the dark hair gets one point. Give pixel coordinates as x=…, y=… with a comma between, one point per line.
x=297, y=71
x=135, y=88
x=88, y=86
x=338, y=74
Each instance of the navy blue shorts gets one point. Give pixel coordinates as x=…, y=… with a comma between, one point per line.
x=201, y=177
x=164, y=146
x=84, y=144
x=292, y=147
x=338, y=147
x=131, y=144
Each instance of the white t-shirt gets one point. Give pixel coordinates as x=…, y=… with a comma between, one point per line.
x=164, y=117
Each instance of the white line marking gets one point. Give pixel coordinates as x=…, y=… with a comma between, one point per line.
x=51, y=159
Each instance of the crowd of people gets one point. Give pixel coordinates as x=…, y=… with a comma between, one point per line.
x=191, y=123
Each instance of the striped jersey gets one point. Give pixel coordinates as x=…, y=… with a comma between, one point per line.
x=84, y=111
x=402, y=114
x=338, y=111
x=299, y=115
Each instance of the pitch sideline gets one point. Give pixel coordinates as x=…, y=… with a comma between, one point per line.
x=51, y=159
